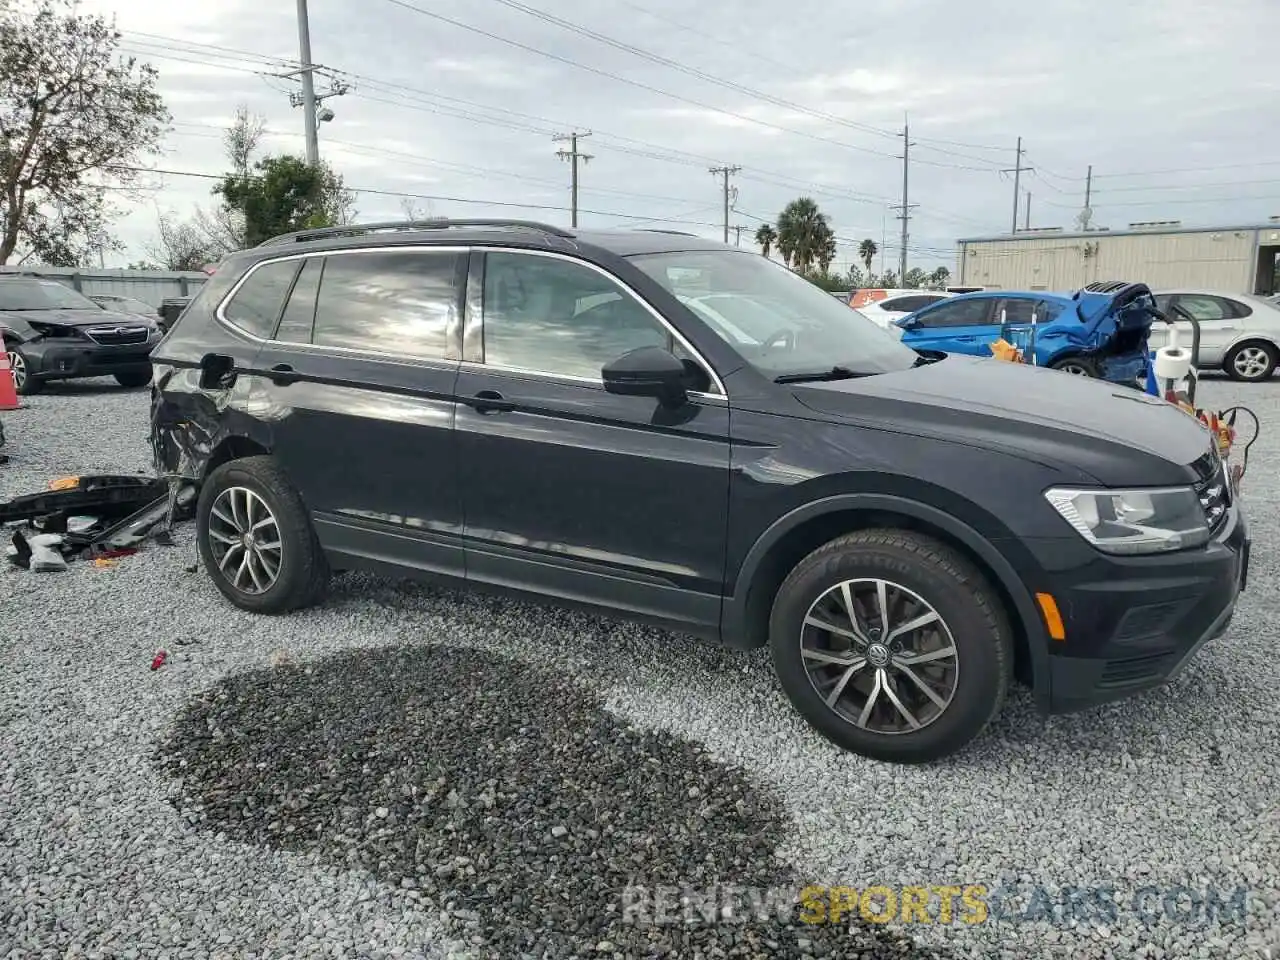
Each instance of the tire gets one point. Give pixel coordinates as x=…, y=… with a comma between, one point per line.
x=302, y=573
x=23, y=381
x=969, y=614
x=1077, y=366
x=131, y=381
x=1251, y=362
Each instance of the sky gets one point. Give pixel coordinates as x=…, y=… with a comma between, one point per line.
x=456, y=102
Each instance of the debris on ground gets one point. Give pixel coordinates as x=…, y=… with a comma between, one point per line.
x=158, y=661
x=97, y=517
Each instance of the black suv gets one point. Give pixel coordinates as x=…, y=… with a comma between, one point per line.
x=51, y=332
x=690, y=434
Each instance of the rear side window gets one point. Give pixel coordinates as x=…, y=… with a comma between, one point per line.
x=1016, y=311
x=388, y=302
x=295, y=324
x=256, y=306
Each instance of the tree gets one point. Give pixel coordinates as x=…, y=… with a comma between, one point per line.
x=915, y=278
x=940, y=277
x=855, y=279
x=867, y=251
x=766, y=237
x=181, y=246
x=223, y=228
x=72, y=110
x=804, y=234
x=282, y=194
x=826, y=252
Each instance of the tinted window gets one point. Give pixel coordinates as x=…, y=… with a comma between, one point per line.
x=549, y=315
x=957, y=313
x=257, y=303
x=400, y=302
x=905, y=304
x=295, y=324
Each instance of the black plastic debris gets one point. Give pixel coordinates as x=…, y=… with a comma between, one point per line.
x=105, y=496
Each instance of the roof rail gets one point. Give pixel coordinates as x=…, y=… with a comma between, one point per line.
x=674, y=233
x=439, y=223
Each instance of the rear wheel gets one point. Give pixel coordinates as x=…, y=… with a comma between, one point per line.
x=892, y=645
x=1076, y=366
x=1251, y=362
x=24, y=381
x=133, y=379
x=256, y=540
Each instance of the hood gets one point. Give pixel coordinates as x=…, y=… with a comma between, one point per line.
x=1114, y=434
x=75, y=318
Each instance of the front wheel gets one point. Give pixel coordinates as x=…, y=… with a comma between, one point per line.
x=1251, y=362
x=892, y=645
x=24, y=379
x=1076, y=366
x=134, y=378
x=256, y=540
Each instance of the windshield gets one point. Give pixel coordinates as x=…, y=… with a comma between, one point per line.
x=779, y=322
x=41, y=295
x=125, y=305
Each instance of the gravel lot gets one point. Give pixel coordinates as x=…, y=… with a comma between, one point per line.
x=414, y=772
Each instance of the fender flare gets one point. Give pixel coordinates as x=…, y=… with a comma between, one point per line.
x=735, y=607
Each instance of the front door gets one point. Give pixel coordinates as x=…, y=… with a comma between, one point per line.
x=956, y=326
x=357, y=387
x=567, y=489
x=1219, y=319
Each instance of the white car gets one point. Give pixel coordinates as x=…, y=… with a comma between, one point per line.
x=896, y=304
x=1239, y=333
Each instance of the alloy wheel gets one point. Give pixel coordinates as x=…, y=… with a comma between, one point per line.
x=244, y=539
x=1075, y=369
x=879, y=656
x=1251, y=363
x=19, y=368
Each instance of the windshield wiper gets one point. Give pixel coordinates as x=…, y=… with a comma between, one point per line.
x=831, y=373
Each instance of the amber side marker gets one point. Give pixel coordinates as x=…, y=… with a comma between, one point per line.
x=1052, y=618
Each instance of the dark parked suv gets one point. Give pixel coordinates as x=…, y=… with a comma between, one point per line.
x=689, y=434
x=51, y=332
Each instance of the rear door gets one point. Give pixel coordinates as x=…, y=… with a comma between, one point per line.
x=957, y=326
x=358, y=388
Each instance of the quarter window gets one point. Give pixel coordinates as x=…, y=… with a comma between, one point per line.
x=256, y=306
x=388, y=302
x=549, y=315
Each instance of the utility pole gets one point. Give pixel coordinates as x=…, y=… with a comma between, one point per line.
x=725, y=173
x=1017, y=179
x=737, y=235
x=1026, y=224
x=1088, y=187
x=906, y=207
x=308, y=86
x=573, y=156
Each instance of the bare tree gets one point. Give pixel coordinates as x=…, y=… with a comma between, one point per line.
x=72, y=111
x=223, y=227
x=409, y=207
x=180, y=246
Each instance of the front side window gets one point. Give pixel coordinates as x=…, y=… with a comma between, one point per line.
x=554, y=316
x=958, y=313
x=780, y=323
x=256, y=306
x=392, y=302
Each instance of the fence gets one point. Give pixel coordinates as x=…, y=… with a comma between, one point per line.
x=149, y=286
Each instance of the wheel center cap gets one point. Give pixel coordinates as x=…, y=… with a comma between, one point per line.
x=878, y=654
x=247, y=540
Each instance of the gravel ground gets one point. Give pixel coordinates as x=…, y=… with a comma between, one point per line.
x=409, y=771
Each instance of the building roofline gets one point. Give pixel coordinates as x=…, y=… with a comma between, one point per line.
x=1092, y=234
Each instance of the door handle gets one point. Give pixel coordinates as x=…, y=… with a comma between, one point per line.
x=491, y=401
x=282, y=375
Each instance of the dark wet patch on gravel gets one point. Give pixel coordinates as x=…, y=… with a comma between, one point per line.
x=501, y=793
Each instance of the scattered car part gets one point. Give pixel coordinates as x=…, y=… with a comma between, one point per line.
x=109, y=496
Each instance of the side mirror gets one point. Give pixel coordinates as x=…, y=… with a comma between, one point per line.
x=909, y=323
x=647, y=372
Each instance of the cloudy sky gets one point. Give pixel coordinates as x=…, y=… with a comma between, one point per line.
x=455, y=102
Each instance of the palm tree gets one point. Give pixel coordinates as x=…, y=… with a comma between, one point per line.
x=867, y=251
x=802, y=233
x=766, y=236
x=826, y=252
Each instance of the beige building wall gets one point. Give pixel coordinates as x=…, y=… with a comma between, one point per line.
x=1213, y=259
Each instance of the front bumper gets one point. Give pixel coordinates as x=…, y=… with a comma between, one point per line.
x=1133, y=623
x=63, y=359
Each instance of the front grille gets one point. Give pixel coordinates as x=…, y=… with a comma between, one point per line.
x=111, y=336
x=1215, y=496
x=1135, y=671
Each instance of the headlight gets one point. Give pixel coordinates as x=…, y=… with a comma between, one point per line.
x=1134, y=521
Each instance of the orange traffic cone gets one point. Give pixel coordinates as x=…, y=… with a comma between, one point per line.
x=8, y=392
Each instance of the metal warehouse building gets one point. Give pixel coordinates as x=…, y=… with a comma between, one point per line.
x=1166, y=254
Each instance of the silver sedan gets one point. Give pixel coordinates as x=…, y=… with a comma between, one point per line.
x=1239, y=333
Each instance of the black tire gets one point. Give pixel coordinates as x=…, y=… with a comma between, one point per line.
x=134, y=379
x=303, y=571
x=1077, y=366
x=1251, y=362
x=23, y=381
x=962, y=598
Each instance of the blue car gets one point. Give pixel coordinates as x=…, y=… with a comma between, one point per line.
x=1099, y=331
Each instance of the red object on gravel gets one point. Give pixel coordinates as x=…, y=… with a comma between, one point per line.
x=160, y=657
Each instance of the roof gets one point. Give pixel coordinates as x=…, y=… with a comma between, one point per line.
x=1095, y=234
